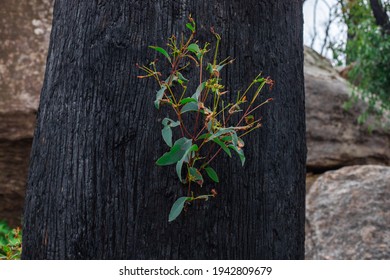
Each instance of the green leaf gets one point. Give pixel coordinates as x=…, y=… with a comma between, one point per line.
x=162, y=51
x=219, y=67
x=179, y=164
x=194, y=48
x=169, y=122
x=177, y=207
x=240, y=153
x=167, y=135
x=191, y=106
x=172, y=78
x=235, y=138
x=159, y=96
x=181, y=77
x=187, y=100
x=190, y=27
x=212, y=174
x=198, y=91
x=226, y=138
x=223, y=146
x=196, y=176
x=176, y=153
x=237, y=141
x=222, y=131
x=6, y=249
x=210, y=126
x=205, y=135
x=209, y=68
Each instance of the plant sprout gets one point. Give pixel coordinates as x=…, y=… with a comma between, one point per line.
x=202, y=119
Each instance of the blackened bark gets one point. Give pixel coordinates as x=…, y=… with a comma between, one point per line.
x=381, y=17
x=94, y=191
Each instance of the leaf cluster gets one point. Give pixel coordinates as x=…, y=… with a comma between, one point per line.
x=201, y=121
x=10, y=242
x=368, y=51
x=371, y=51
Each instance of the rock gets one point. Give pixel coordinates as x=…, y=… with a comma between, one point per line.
x=24, y=36
x=310, y=179
x=348, y=214
x=23, y=52
x=334, y=139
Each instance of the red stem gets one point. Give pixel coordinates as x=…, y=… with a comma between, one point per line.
x=219, y=150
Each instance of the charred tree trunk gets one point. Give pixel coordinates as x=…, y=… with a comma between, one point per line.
x=94, y=191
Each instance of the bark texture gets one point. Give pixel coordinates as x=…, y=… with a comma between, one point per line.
x=94, y=191
x=380, y=14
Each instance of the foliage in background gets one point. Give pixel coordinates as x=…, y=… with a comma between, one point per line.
x=368, y=48
x=10, y=242
x=367, y=51
x=201, y=118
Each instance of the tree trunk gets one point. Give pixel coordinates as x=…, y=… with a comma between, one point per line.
x=94, y=191
x=380, y=15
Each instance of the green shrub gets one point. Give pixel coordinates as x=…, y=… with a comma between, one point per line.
x=371, y=49
x=367, y=50
x=10, y=242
